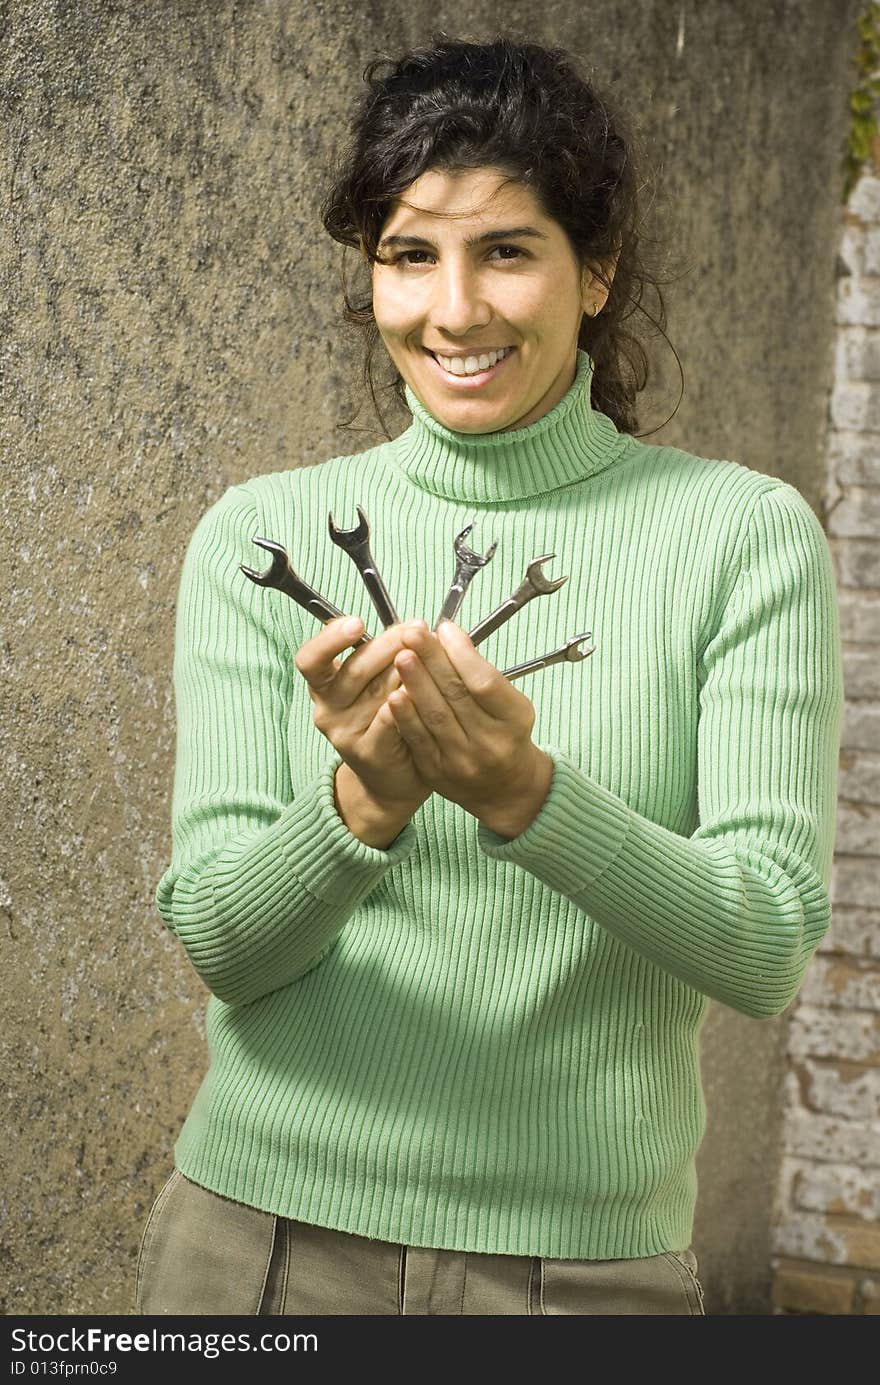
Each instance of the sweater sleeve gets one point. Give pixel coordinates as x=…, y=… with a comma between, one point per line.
x=260, y=882
x=737, y=909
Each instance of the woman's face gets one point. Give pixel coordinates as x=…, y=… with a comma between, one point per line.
x=496, y=274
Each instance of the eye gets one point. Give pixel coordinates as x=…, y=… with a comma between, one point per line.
x=404, y=256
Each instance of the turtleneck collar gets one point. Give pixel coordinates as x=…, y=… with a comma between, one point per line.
x=570, y=443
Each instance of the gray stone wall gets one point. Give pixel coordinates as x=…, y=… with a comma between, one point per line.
x=170, y=325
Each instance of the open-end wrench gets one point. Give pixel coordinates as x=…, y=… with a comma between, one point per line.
x=567, y=653
x=283, y=577
x=356, y=543
x=467, y=564
x=533, y=584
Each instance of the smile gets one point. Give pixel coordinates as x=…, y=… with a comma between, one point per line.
x=480, y=377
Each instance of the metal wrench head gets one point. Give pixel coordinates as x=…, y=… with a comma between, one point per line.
x=573, y=655
x=466, y=556
x=536, y=579
x=350, y=538
x=280, y=564
x=356, y=543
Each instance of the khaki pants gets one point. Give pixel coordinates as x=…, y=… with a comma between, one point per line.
x=203, y=1254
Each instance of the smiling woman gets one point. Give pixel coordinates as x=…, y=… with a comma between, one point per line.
x=461, y=939
x=517, y=293
x=542, y=185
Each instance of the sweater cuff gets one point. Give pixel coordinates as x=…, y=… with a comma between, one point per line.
x=578, y=831
x=331, y=862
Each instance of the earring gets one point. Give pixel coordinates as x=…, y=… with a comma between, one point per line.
x=595, y=312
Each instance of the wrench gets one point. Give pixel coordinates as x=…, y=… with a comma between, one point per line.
x=282, y=576
x=467, y=564
x=567, y=653
x=533, y=584
x=356, y=543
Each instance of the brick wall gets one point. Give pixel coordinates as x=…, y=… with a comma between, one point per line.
x=827, y=1231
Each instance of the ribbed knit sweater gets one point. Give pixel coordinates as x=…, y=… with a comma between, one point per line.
x=470, y=1042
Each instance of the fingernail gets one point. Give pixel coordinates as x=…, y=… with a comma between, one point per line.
x=416, y=625
x=351, y=627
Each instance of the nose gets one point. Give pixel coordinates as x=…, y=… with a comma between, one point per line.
x=459, y=300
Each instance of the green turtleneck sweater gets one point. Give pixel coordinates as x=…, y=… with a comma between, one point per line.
x=470, y=1042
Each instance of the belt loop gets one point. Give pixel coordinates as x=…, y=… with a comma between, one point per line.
x=273, y=1294
x=401, y=1280
x=530, y=1288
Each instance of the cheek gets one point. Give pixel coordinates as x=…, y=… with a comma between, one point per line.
x=540, y=303
x=393, y=307
x=560, y=299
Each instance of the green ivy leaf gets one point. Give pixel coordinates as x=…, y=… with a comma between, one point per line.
x=864, y=100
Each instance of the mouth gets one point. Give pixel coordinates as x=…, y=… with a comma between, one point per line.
x=479, y=377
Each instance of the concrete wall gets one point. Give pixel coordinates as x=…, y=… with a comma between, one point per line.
x=170, y=326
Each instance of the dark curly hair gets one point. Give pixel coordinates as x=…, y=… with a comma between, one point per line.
x=526, y=111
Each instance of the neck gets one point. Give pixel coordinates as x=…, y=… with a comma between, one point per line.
x=569, y=443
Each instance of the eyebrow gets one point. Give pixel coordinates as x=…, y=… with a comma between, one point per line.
x=515, y=233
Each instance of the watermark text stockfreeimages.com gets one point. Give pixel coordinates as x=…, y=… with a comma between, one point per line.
x=92, y=1341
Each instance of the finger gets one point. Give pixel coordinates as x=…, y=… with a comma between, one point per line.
x=340, y=682
x=439, y=718
x=382, y=737
x=415, y=735
x=383, y=723
x=370, y=669
x=317, y=660
x=453, y=689
x=486, y=684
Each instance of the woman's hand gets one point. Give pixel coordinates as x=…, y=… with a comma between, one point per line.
x=350, y=709
x=468, y=729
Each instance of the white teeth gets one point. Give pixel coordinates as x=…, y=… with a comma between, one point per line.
x=470, y=365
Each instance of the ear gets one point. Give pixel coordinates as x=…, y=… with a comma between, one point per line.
x=596, y=280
